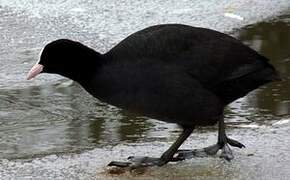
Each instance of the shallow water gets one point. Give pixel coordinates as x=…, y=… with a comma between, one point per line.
x=51, y=128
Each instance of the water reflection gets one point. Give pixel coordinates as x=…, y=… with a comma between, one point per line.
x=272, y=39
x=42, y=120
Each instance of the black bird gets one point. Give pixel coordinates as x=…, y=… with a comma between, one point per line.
x=172, y=72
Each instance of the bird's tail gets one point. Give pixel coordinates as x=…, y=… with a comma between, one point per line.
x=267, y=74
x=233, y=89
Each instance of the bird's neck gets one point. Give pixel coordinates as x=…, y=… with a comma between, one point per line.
x=87, y=69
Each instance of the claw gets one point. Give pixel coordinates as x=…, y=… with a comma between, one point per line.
x=204, y=152
x=184, y=154
x=212, y=150
x=227, y=153
x=140, y=161
x=119, y=164
x=235, y=143
x=144, y=161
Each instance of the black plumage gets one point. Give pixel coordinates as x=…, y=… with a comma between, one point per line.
x=175, y=73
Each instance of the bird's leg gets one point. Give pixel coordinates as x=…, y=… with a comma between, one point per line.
x=223, y=144
x=135, y=161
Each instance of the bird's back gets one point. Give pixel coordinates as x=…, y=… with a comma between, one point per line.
x=219, y=62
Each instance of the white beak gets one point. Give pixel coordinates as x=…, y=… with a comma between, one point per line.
x=34, y=71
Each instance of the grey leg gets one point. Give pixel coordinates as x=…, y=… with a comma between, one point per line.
x=223, y=144
x=135, y=162
x=223, y=139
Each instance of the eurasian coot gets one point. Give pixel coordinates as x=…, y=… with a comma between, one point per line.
x=172, y=72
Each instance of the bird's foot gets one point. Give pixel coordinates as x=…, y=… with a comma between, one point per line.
x=234, y=143
x=204, y=152
x=137, y=161
x=141, y=161
x=211, y=150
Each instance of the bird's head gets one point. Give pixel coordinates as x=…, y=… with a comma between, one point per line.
x=67, y=58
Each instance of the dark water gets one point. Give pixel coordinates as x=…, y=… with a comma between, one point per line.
x=272, y=39
x=61, y=118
